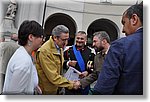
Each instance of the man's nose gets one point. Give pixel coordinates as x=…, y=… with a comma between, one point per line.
x=93, y=45
x=66, y=42
x=79, y=39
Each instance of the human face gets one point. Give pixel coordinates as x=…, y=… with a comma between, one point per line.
x=97, y=44
x=127, y=25
x=62, y=40
x=81, y=40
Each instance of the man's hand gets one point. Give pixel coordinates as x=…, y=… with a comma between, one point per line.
x=83, y=74
x=76, y=85
x=72, y=63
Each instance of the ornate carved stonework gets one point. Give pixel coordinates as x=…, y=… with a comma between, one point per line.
x=7, y=27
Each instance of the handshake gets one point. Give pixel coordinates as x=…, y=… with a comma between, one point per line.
x=76, y=84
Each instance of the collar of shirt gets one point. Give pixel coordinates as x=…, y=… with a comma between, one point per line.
x=57, y=47
x=139, y=28
x=107, y=50
x=105, y=53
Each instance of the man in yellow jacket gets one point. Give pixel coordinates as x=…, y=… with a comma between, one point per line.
x=49, y=62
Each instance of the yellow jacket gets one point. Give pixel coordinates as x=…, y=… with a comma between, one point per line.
x=49, y=64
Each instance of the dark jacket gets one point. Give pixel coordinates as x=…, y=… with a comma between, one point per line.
x=98, y=60
x=86, y=53
x=122, y=71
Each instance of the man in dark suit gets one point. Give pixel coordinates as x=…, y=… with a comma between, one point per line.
x=122, y=71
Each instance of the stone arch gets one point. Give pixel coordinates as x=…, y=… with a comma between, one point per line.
x=63, y=19
x=103, y=25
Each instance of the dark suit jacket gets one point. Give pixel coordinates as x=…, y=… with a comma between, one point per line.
x=86, y=54
x=122, y=71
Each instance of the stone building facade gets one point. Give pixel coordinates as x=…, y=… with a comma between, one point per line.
x=87, y=15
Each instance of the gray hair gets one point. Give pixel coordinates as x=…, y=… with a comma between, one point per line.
x=82, y=33
x=60, y=29
x=102, y=35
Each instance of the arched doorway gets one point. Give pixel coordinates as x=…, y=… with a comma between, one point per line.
x=60, y=19
x=103, y=25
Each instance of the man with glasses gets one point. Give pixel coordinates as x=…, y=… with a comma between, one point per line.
x=77, y=56
x=49, y=62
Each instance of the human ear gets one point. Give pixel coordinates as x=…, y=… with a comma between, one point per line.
x=54, y=38
x=30, y=37
x=134, y=19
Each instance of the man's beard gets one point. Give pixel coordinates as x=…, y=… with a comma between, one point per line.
x=99, y=49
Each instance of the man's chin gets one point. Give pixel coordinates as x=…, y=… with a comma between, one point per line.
x=79, y=45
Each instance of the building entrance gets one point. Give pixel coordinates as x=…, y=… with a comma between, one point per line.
x=60, y=19
x=103, y=25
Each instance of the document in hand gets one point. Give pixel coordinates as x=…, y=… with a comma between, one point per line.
x=72, y=74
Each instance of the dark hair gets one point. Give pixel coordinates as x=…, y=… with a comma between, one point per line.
x=102, y=35
x=27, y=28
x=60, y=29
x=135, y=9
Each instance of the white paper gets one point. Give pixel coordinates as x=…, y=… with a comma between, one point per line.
x=72, y=74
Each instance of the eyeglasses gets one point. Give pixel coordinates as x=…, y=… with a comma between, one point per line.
x=40, y=36
x=64, y=40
